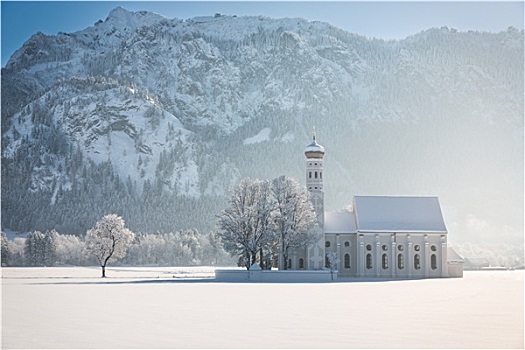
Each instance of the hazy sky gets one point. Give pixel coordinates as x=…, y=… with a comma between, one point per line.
x=387, y=20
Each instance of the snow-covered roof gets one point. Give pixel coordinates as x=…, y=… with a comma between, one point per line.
x=339, y=222
x=453, y=256
x=398, y=214
x=314, y=147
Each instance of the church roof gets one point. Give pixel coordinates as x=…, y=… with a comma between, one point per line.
x=339, y=222
x=314, y=147
x=314, y=150
x=398, y=214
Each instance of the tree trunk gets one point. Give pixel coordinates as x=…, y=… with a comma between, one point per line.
x=261, y=259
x=103, y=271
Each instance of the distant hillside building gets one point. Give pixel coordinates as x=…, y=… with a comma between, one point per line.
x=383, y=236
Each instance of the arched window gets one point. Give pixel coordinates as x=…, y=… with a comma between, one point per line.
x=368, y=247
x=417, y=262
x=326, y=261
x=416, y=248
x=347, y=244
x=384, y=261
x=327, y=244
x=316, y=174
x=347, y=261
x=290, y=263
x=433, y=248
x=384, y=247
x=433, y=262
x=310, y=174
x=301, y=263
x=320, y=174
x=368, y=261
x=400, y=262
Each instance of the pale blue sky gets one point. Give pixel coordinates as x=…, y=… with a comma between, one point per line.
x=387, y=20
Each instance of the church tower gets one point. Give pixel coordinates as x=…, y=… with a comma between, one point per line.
x=314, y=153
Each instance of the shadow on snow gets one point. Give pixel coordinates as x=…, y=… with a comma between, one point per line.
x=187, y=280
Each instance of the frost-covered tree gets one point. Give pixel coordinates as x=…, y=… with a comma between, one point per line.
x=185, y=247
x=5, y=249
x=40, y=248
x=190, y=245
x=294, y=217
x=245, y=226
x=49, y=248
x=108, y=240
x=33, y=248
x=212, y=250
x=69, y=250
x=331, y=262
x=16, y=251
x=263, y=215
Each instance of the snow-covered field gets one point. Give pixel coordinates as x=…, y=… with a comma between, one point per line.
x=184, y=308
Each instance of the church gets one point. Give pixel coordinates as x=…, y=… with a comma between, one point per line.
x=383, y=236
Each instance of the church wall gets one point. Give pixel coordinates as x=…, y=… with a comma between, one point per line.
x=348, y=246
x=375, y=256
x=330, y=244
x=344, y=245
x=400, y=255
x=296, y=257
x=416, y=260
x=418, y=251
x=435, y=265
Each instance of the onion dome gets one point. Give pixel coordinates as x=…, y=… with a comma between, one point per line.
x=314, y=150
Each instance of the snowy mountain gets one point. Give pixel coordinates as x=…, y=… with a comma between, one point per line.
x=155, y=119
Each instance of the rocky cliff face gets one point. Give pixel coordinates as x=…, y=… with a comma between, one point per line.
x=156, y=118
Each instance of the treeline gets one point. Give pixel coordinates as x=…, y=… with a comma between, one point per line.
x=180, y=248
x=507, y=255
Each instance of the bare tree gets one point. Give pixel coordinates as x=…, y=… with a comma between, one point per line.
x=294, y=217
x=332, y=261
x=245, y=226
x=109, y=239
x=262, y=215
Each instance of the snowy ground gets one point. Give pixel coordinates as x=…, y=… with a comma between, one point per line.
x=184, y=308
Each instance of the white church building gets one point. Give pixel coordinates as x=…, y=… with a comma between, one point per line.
x=383, y=236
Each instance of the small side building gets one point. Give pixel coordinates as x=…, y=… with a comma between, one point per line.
x=455, y=263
